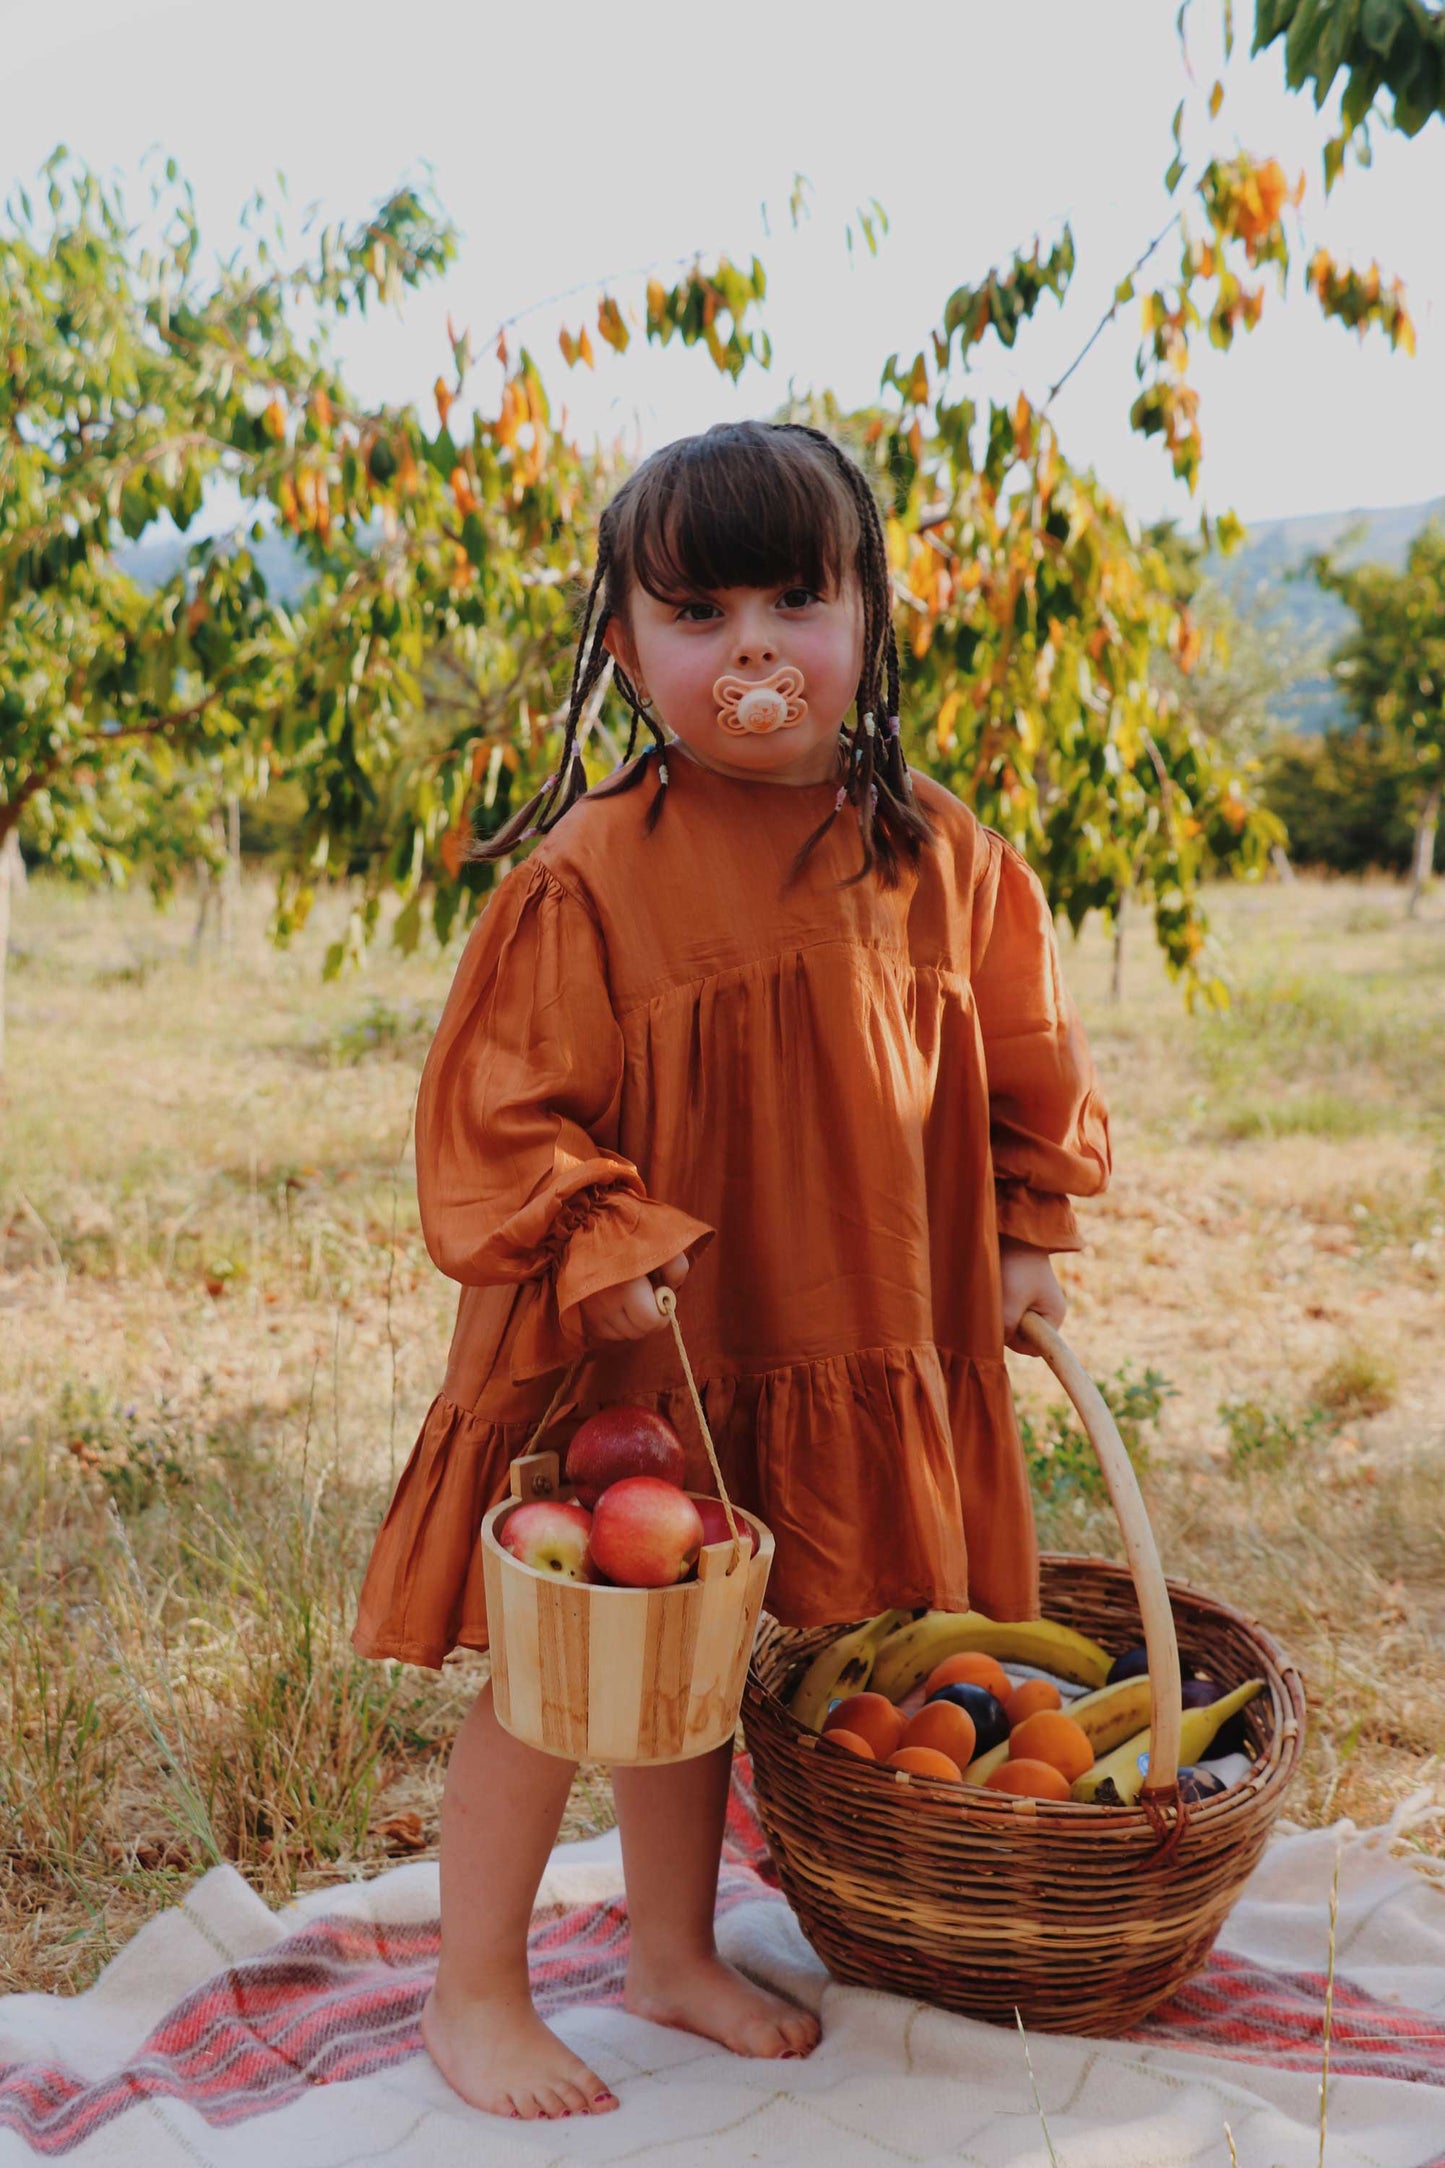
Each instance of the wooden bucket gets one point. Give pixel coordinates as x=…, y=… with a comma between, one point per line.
x=630, y=1675
x=1073, y=1918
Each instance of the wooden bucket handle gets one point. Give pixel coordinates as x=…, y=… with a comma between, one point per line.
x=667, y=1303
x=1165, y=1700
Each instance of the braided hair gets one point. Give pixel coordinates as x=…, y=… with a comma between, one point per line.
x=744, y=504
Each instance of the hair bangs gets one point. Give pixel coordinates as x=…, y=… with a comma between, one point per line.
x=739, y=506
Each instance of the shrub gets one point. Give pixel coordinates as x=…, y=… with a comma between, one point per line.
x=1063, y=1465
x=1349, y=804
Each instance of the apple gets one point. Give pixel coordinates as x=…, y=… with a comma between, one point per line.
x=550, y=1535
x=715, y=1524
x=646, y=1533
x=619, y=1442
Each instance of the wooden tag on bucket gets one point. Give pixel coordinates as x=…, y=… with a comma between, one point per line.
x=534, y=1475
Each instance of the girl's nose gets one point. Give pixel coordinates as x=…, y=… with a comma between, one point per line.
x=755, y=651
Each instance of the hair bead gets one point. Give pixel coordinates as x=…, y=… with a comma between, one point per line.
x=869, y=724
x=662, y=773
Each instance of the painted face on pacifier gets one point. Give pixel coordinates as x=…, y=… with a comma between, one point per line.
x=756, y=707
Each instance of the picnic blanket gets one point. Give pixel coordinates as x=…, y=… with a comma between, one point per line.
x=226, y=2034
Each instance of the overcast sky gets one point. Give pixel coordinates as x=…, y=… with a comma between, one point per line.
x=576, y=142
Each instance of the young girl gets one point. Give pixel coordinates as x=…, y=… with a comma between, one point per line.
x=774, y=1016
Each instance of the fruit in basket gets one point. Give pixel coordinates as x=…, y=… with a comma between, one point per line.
x=1231, y=1738
x=1118, y=1778
x=1052, y=1737
x=550, y=1536
x=1133, y=1664
x=925, y=1761
x=1028, y=1779
x=1113, y=1714
x=646, y=1533
x=943, y=1725
x=715, y=1524
x=1198, y=1785
x=852, y=1740
x=915, y=1649
x=971, y=1667
x=842, y=1666
x=1027, y=1699
x=618, y=1442
x=990, y=1725
x=872, y=1718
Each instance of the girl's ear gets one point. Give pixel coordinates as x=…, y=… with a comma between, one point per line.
x=618, y=646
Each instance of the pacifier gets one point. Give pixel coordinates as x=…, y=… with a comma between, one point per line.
x=754, y=707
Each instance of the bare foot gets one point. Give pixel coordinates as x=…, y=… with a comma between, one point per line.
x=707, y=1995
x=500, y=2056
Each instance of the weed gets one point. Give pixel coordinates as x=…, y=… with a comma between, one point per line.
x=1063, y=1465
x=1356, y=1384
x=397, y=1030
x=1262, y=1437
x=132, y=1456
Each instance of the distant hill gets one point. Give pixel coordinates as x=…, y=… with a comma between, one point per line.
x=1257, y=579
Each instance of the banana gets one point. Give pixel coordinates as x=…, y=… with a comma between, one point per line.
x=911, y=1653
x=843, y=1667
x=1118, y=1779
x=1112, y=1714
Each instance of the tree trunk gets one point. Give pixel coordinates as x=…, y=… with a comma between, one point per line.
x=12, y=875
x=233, y=869
x=1116, y=976
x=1424, y=859
x=1279, y=859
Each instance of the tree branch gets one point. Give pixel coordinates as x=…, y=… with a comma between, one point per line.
x=1110, y=313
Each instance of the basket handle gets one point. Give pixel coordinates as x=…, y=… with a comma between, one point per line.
x=1140, y=1549
x=667, y=1303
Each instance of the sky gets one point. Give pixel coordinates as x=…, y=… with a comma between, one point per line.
x=574, y=144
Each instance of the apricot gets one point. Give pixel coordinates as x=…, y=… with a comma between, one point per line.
x=1029, y=1779
x=972, y=1668
x=1050, y=1736
x=1028, y=1699
x=947, y=1728
x=872, y=1717
x=837, y=1736
x=925, y=1761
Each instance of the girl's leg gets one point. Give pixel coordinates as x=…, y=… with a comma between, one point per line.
x=501, y=1811
x=671, y=1819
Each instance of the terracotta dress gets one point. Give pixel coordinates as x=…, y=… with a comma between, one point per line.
x=833, y=1099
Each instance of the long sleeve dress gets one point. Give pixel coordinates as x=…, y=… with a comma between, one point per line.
x=833, y=1099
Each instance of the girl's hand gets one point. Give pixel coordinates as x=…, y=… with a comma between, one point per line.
x=629, y=1311
x=1028, y=1284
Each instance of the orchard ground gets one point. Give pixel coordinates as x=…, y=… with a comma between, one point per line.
x=221, y=1330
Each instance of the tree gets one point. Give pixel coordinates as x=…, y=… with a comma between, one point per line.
x=411, y=697
x=1391, y=669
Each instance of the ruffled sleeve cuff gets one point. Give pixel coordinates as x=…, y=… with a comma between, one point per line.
x=1037, y=1216
x=600, y=1238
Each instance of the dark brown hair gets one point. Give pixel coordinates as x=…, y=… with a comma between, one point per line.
x=745, y=504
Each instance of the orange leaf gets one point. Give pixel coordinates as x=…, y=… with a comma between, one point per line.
x=444, y=398
x=584, y=348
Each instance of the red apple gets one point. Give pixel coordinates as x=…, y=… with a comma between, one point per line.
x=619, y=1442
x=715, y=1524
x=645, y=1533
x=550, y=1535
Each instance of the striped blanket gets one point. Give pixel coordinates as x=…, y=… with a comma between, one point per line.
x=226, y=2034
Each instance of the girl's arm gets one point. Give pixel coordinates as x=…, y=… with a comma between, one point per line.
x=1048, y=1125
x=521, y=1088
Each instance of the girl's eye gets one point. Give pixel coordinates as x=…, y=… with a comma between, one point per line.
x=683, y=616
x=795, y=597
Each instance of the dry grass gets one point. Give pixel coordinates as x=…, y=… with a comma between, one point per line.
x=220, y=1332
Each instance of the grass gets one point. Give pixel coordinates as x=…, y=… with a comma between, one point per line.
x=219, y=1332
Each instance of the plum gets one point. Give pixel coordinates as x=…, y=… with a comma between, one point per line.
x=1231, y=1738
x=990, y=1721
x=1133, y=1664
x=1198, y=1785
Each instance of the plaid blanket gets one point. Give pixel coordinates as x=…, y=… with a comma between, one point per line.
x=244, y=2056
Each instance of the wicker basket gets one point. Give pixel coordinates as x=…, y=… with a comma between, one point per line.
x=1079, y=1918
x=631, y=1675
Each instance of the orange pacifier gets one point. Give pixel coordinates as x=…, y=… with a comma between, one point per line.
x=754, y=707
